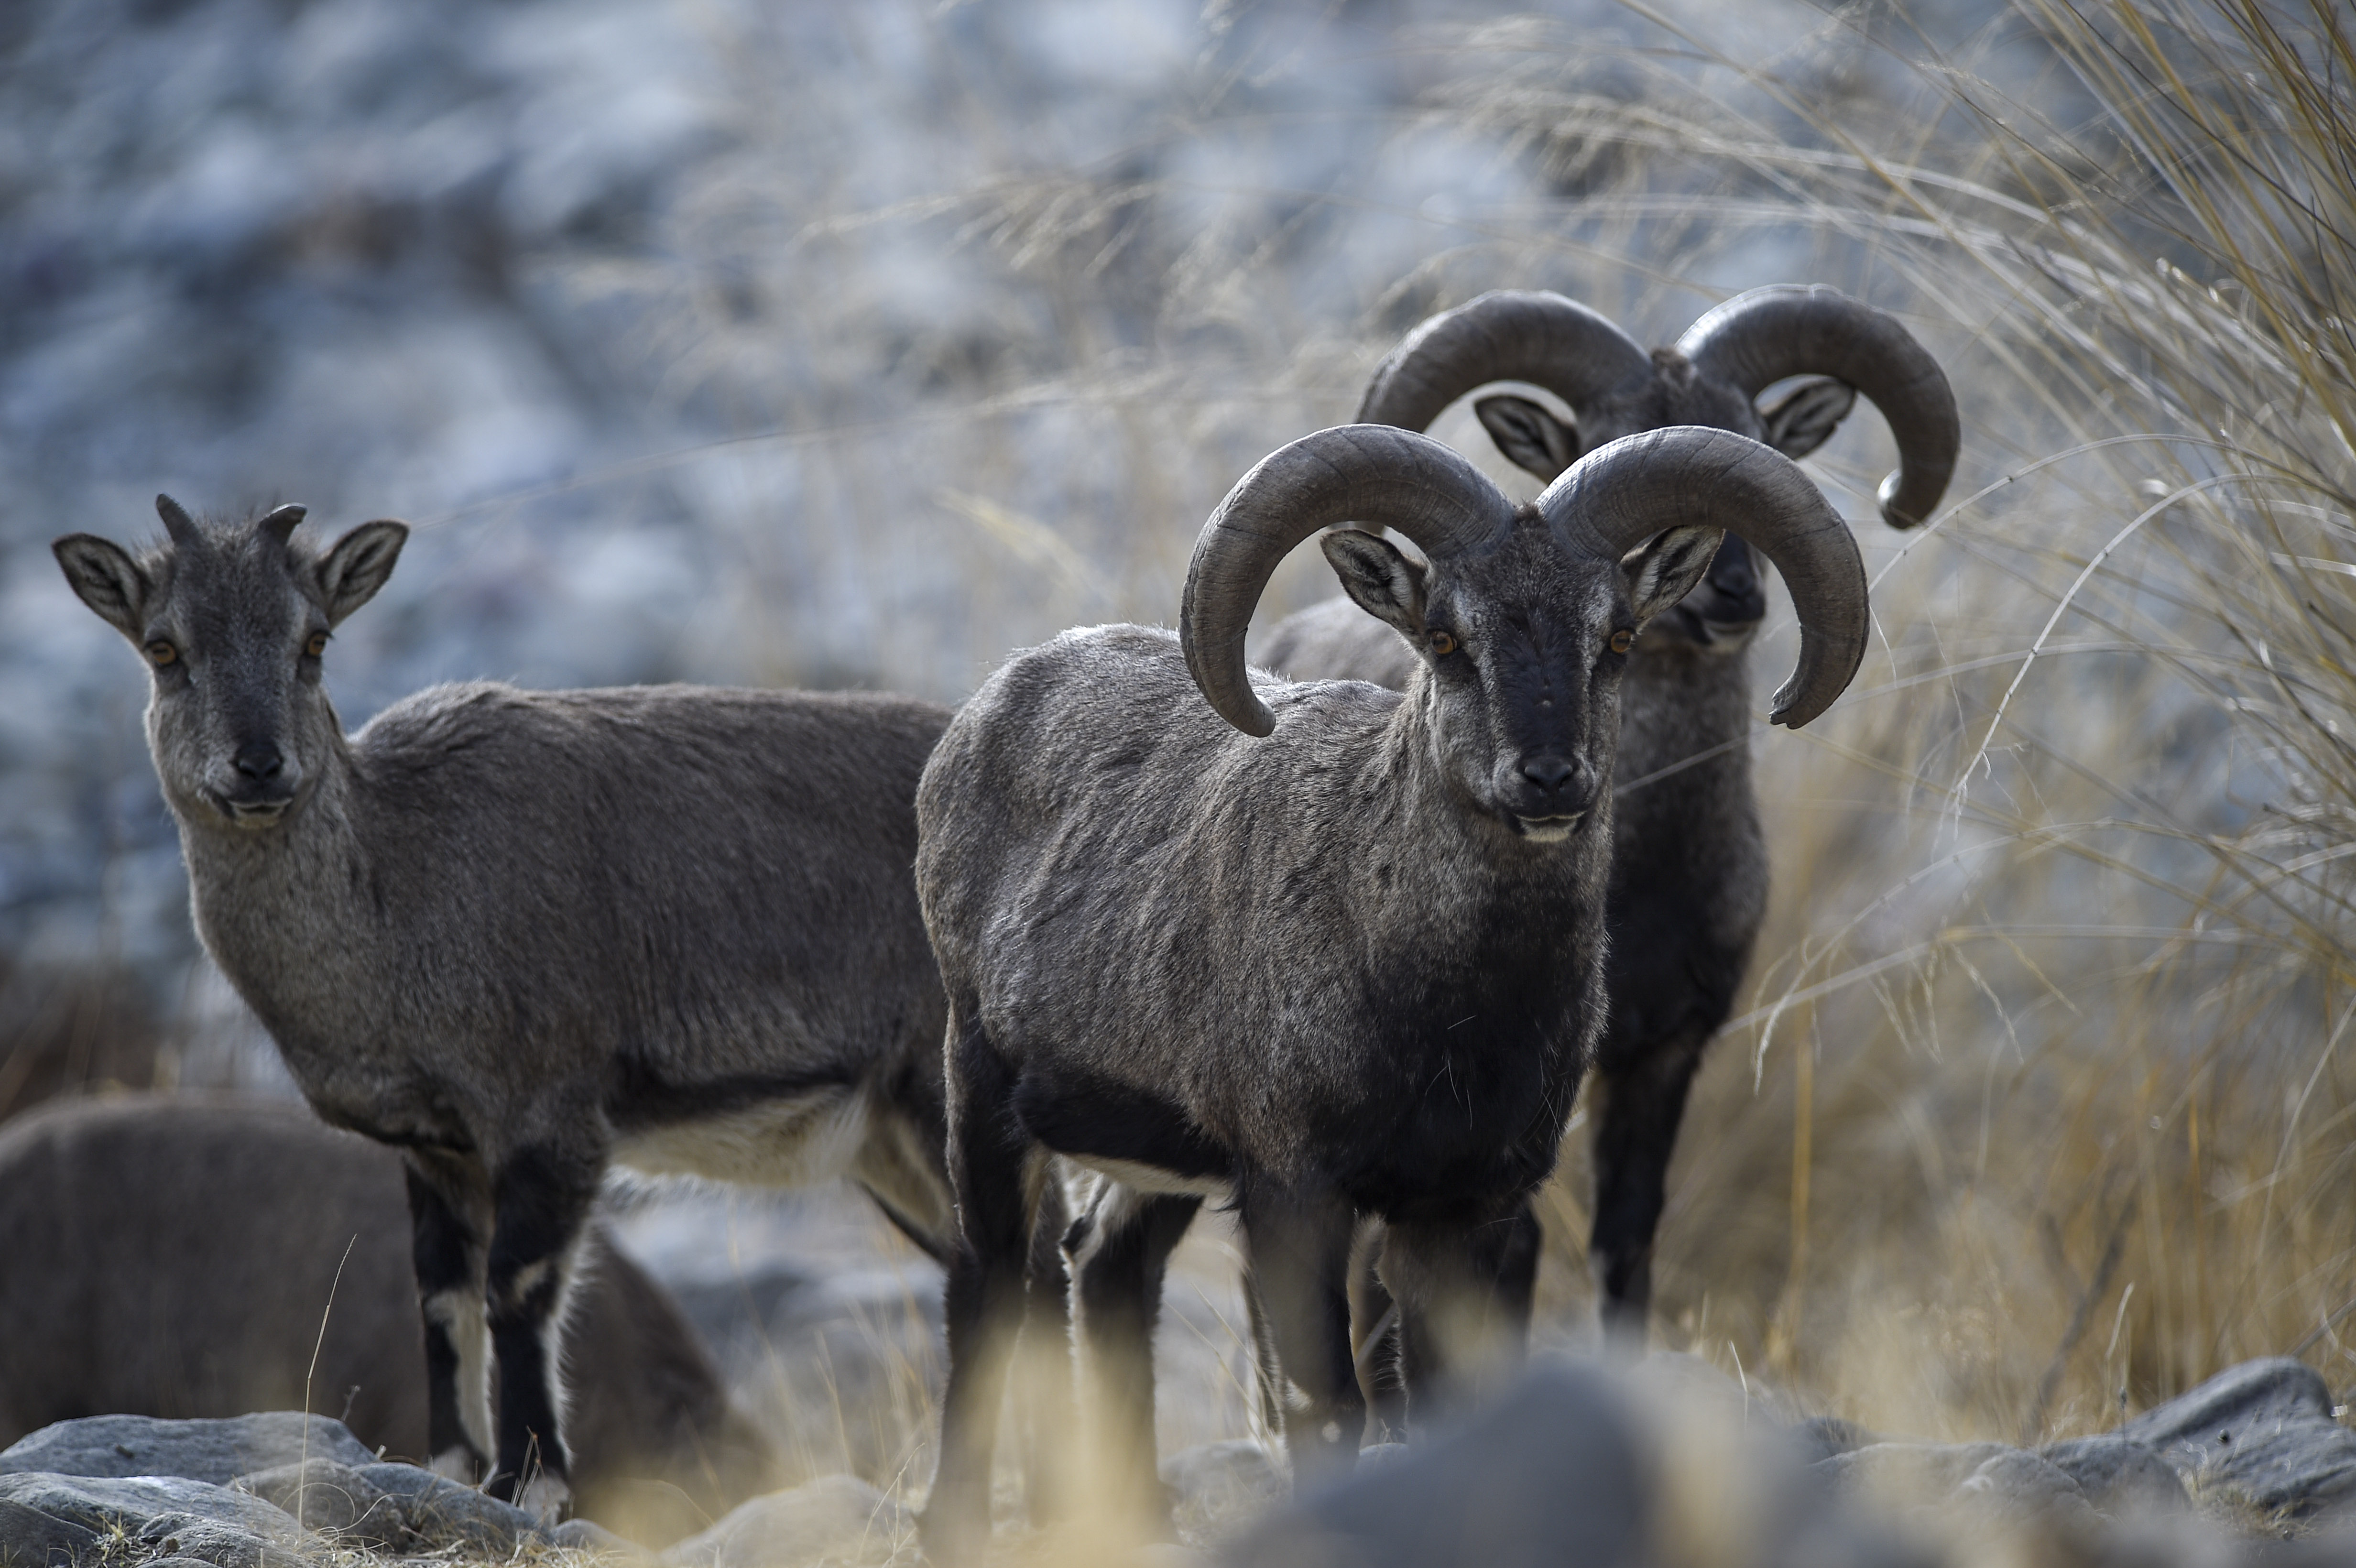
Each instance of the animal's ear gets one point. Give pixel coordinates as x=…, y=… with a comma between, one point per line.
x=1807, y=415
x=1383, y=582
x=1665, y=571
x=108, y=579
x=356, y=566
x=1529, y=435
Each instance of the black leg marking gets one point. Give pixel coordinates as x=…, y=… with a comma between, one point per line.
x=1374, y=1342
x=1643, y=1103
x=1300, y=1249
x=1117, y=1269
x=448, y=1257
x=989, y=1157
x=543, y=1196
x=1464, y=1291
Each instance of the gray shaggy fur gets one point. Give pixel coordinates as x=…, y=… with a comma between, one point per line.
x=1688, y=886
x=174, y=1257
x=1352, y=969
x=519, y=934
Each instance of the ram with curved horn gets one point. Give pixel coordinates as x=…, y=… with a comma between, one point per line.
x=1689, y=864
x=1302, y=948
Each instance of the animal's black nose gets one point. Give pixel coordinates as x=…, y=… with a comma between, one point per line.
x=1547, y=771
x=259, y=761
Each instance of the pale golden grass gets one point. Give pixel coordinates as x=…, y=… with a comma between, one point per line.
x=2039, y=1111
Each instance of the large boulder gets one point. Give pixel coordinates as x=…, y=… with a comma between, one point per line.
x=840, y=1520
x=1554, y=1473
x=282, y=1478
x=46, y=1519
x=438, y=1513
x=2118, y=1474
x=217, y=1450
x=395, y=1507
x=2256, y=1437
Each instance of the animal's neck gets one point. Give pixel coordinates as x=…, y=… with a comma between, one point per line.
x=1679, y=701
x=274, y=906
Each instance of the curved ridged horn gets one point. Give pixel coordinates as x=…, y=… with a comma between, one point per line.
x=1758, y=339
x=1696, y=476
x=1509, y=335
x=180, y=527
x=1369, y=473
x=279, y=523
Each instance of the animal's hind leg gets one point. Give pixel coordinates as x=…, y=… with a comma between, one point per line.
x=1047, y=1405
x=447, y=1250
x=1644, y=1101
x=542, y=1195
x=1119, y=1251
x=992, y=1169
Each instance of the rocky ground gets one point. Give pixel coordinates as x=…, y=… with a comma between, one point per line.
x=1668, y=1462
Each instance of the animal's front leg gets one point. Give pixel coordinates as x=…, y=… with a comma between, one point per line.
x=1046, y=1401
x=1463, y=1289
x=449, y=1206
x=542, y=1194
x=1298, y=1240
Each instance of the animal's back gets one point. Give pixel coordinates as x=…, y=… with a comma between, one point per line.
x=177, y=1261
x=1335, y=640
x=660, y=890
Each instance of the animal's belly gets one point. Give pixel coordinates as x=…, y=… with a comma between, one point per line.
x=1151, y=1179
x=795, y=1142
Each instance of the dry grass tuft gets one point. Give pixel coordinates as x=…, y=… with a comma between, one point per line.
x=2041, y=1108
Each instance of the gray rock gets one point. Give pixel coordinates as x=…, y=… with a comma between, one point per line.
x=33, y=1534
x=2019, y=1485
x=1686, y=1379
x=1822, y=1437
x=1557, y=1461
x=1907, y=1474
x=2118, y=1474
x=218, y=1451
x=1218, y=1487
x=46, y=1519
x=437, y=1512
x=588, y=1535
x=337, y=1499
x=2259, y=1436
x=840, y=1519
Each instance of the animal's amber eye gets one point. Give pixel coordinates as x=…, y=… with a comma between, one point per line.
x=316, y=645
x=1621, y=641
x=161, y=653
x=1443, y=645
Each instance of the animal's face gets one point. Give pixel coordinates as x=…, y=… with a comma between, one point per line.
x=1526, y=641
x=1726, y=607
x=234, y=625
